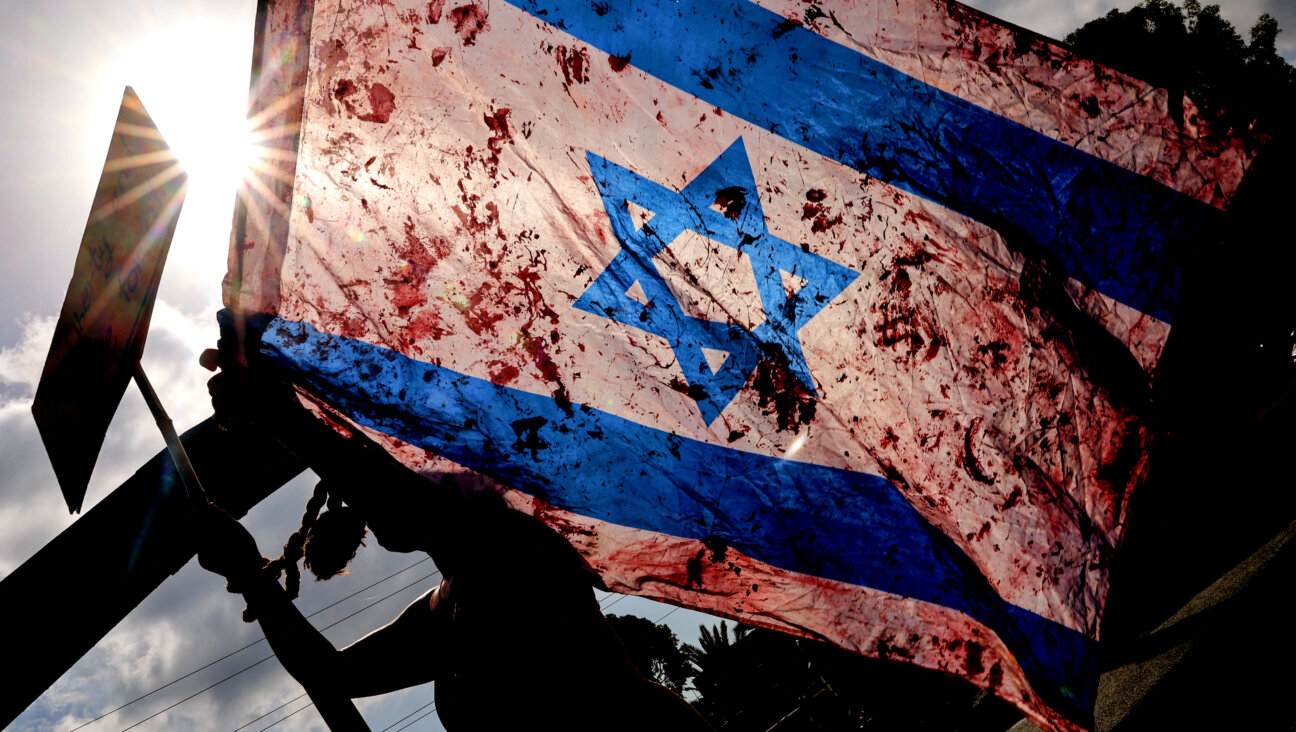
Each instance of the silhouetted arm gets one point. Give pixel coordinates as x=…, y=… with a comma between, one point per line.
x=396, y=656
x=385, y=660
x=304, y=652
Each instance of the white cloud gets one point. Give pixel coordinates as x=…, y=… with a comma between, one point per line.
x=21, y=363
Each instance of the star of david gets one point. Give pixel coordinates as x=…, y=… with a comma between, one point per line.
x=723, y=205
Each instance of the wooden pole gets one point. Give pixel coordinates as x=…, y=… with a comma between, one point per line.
x=188, y=476
x=338, y=712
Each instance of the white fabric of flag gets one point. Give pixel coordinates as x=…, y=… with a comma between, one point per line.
x=827, y=317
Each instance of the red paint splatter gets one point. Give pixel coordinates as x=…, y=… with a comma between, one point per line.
x=539, y=353
x=889, y=440
x=899, y=330
x=426, y=325
x=981, y=534
x=972, y=665
x=425, y=253
x=574, y=63
x=816, y=212
x=434, y=11
x=731, y=200
x=900, y=283
x=696, y=392
x=536, y=304
x=694, y=569
x=915, y=217
x=887, y=649
x=781, y=394
x=996, y=352
x=382, y=102
x=502, y=373
x=469, y=219
x=916, y=258
x=618, y=63
x=1013, y=499
x=479, y=319
x=417, y=259
x=995, y=677
x=344, y=89
x=469, y=20
x=968, y=457
x=497, y=121
x=413, y=39
x=438, y=55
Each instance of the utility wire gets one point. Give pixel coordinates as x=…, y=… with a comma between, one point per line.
x=375, y=602
x=619, y=598
x=281, y=719
x=667, y=615
x=612, y=596
x=369, y=587
x=412, y=721
x=407, y=716
x=232, y=653
x=267, y=658
x=196, y=693
x=272, y=711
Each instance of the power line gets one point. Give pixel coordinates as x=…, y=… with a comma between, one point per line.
x=369, y=587
x=267, y=658
x=412, y=721
x=667, y=615
x=407, y=716
x=308, y=704
x=272, y=711
x=232, y=653
x=263, y=660
x=615, y=599
x=169, y=683
x=375, y=602
x=196, y=693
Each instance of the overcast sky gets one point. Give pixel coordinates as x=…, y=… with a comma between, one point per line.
x=66, y=63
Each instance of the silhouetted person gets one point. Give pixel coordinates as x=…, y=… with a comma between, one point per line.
x=513, y=635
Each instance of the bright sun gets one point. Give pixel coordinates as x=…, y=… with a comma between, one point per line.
x=193, y=80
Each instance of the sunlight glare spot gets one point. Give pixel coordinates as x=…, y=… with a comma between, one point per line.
x=192, y=78
x=796, y=445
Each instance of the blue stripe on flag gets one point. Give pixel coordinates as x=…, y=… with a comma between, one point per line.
x=1113, y=229
x=817, y=520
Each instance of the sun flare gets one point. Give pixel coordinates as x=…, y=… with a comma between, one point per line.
x=192, y=77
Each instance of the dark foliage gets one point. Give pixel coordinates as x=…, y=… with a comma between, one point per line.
x=654, y=649
x=1193, y=50
x=758, y=679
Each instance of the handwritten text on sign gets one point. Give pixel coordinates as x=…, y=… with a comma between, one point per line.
x=101, y=330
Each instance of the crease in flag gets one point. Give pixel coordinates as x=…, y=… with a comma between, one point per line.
x=787, y=313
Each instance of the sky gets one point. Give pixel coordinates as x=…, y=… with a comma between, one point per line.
x=66, y=63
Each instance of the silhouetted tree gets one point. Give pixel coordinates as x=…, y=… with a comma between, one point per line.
x=654, y=649
x=757, y=679
x=1194, y=50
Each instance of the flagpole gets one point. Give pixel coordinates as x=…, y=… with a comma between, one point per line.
x=338, y=712
x=188, y=476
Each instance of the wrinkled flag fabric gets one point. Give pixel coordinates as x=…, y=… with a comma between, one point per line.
x=833, y=317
